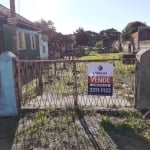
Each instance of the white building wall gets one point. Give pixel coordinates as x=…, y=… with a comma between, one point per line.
x=43, y=44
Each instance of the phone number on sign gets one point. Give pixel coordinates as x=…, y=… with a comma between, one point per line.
x=100, y=90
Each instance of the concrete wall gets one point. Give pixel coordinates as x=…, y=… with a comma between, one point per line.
x=125, y=46
x=43, y=44
x=44, y=50
x=143, y=79
x=141, y=45
x=144, y=44
x=116, y=44
x=8, y=103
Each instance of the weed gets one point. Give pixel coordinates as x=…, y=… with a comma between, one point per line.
x=128, y=123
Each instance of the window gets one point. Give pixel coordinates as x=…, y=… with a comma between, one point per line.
x=21, y=43
x=33, y=41
x=44, y=49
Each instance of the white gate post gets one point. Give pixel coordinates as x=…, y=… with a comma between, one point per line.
x=8, y=99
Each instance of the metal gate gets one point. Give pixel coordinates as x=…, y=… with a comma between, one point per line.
x=56, y=110
x=64, y=83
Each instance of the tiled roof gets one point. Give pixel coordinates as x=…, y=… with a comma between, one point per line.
x=5, y=13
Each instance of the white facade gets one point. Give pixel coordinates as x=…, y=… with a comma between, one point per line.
x=43, y=44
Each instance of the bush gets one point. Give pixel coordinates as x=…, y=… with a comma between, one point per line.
x=79, y=52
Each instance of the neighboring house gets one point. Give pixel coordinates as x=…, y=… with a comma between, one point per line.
x=109, y=38
x=60, y=45
x=141, y=38
x=28, y=38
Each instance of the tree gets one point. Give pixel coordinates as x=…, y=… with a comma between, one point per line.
x=85, y=38
x=99, y=44
x=92, y=38
x=108, y=36
x=81, y=37
x=130, y=28
x=46, y=25
x=51, y=25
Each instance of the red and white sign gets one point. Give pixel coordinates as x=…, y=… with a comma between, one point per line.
x=100, y=79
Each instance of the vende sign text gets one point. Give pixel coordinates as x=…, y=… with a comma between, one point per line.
x=100, y=79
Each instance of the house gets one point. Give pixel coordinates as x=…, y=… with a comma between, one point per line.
x=60, y=45
x=110, y=39
x=28, y=37
x=141, y=38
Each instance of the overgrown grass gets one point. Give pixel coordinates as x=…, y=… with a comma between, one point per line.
x=129, y=124
x=52, y=119
x=94, y=55
x=42, y=128
x=31, y=86
x=35, y=122
x=120, y=68
x=29, y=91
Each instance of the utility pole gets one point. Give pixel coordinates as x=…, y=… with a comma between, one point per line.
x=13, y=23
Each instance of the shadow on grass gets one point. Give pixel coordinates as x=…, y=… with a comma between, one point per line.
x=87, y=130
x=125, y=135
x=8, y=127
x=125, y=142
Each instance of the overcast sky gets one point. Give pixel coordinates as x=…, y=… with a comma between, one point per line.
x=95, y=15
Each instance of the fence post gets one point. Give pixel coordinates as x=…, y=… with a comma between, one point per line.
x=17, y=78
x=40, y=86
x=55, y=68
x=8, y=98
x=75, y=92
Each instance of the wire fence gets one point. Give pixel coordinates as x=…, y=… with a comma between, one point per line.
x=56, y=111
x=65, y=83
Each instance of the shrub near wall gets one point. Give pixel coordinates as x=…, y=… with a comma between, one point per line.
x=81, y=51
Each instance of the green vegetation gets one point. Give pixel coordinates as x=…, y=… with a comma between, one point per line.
x=94, y=55
x=39, y=119
x=31, y=86
x=30, y=91
x=129, y=124
x=46, y=129
x=99, y=44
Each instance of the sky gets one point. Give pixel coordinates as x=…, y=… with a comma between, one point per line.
x=94, y=15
